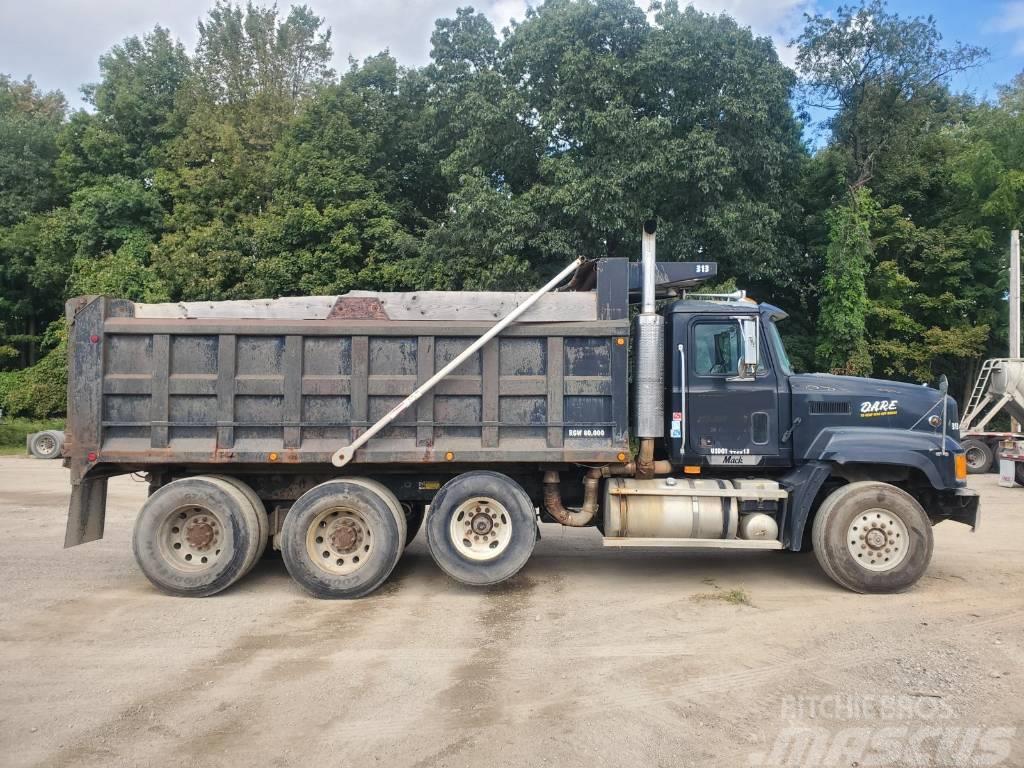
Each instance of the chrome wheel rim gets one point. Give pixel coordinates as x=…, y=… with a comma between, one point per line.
x=193, y=538
x=339, y=541
x=878, y=540
x=480, y=529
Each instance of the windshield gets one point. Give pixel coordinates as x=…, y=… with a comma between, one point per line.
x=779, y=350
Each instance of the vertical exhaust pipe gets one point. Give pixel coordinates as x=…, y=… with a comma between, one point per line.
x=649, y=371
x=648, y=266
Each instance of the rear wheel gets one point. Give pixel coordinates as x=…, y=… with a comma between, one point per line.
x=872, y=537
x=259, y=512
x=979, y=456
x=343, y=538
x=195, y=537
x=1018, y=472
x=481, y=528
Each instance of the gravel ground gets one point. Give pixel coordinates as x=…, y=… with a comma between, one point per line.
x=588, y=657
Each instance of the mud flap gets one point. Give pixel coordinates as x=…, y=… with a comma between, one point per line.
x=87, y=512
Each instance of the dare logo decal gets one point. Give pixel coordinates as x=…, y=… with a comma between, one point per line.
x=870, y=408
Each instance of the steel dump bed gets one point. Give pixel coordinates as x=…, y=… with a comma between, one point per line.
x=292, y=380
x=202, y=383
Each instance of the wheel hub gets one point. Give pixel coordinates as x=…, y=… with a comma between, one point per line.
x=875, y=538
x=480, y=529
x=200, y=533
x=192, y=538
x=482, y=524
x=344, y=538
x=878, y=540
x=339, y=541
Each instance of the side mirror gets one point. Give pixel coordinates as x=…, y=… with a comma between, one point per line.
x=750, y=335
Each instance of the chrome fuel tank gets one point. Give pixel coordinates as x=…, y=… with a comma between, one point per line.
x=661, y=508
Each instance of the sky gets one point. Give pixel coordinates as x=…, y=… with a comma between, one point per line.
x=58, y=42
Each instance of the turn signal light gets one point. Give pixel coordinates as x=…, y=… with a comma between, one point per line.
x=960, y=464
x=691, y=470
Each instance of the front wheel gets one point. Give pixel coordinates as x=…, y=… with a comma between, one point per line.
x=481, y=528
x=872, y=537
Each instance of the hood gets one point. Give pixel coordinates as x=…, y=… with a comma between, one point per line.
x=824, y=400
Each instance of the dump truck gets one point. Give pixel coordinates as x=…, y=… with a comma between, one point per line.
x=333, y=427
x=998, y=391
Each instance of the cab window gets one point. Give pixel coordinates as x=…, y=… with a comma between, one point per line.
x=716, y=349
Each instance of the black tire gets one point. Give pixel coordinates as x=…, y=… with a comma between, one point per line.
x=352, y=514
x=1018, y=472
x=260, y=512
x=473, y=490
x=837, y=520
x=414, y=511
x=979, y=456
x=233, y=537
x=46, y=445
x=392, y=501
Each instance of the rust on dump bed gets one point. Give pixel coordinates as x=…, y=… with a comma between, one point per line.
x=358, y=308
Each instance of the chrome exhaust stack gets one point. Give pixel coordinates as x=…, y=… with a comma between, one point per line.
x=649, y=372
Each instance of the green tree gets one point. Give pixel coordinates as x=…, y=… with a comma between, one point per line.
x=245, y=55
x=30, y=122
x=587, y=119
x=30, y=125
x=895, y=132
x=253, y=72
x=878, y=74
x=843, y=346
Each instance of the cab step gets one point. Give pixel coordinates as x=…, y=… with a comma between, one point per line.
x=636, y=541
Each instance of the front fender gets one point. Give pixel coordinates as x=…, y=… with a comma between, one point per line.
x=877, y=445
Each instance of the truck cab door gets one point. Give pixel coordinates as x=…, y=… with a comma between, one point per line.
x=730, y=419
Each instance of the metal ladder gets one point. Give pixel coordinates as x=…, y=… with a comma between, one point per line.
x=979, y=395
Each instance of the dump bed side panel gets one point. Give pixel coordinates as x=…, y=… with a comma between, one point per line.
x=183, y=390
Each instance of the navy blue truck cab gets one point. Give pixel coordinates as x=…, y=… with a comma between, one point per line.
x=810, y=431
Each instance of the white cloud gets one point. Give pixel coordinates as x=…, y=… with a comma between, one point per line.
x=58, y=42
x=1011, y=20
x=780, y=20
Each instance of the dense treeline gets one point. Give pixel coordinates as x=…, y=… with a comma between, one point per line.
x=249, y=168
